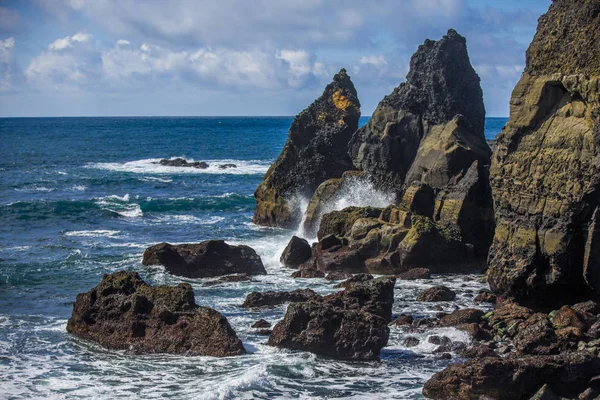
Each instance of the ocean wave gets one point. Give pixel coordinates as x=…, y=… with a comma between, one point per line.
x=120, y=205
x=151, y=166
x=96, y=233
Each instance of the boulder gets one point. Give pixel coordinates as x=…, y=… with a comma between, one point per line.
x=296, y=252
x=545, y=174
x=261, y=323
x=478, y=351
x=205, y=259
x=403, y=320
x=227, y=166
x=437, y=293
x=485, y=296
x=350, y=325
x=125, y=313
x=358, y=278
x=463, y=316
x=338, y=275
x=512, y=378
x=271, y=299
x=316, y=150
x=414, y=273
x=308, y=273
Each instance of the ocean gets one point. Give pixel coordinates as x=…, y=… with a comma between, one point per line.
x=82, y=197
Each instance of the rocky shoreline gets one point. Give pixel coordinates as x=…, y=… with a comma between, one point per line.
x=524, y=212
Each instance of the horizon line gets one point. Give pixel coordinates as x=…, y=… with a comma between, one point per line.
x=178, y=116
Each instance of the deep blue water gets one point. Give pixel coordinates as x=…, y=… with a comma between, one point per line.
x=81, y=197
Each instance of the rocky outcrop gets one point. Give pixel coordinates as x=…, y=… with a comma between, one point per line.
x=205, y=259
x=350, y=325
x=415, y=273
x=545, y=173
x=271, y=299
x=430, y=128
x=514, y=378
x=125, y=313
x=425, y=143
x=316, y=150
x=180, y=162
x=437, y=293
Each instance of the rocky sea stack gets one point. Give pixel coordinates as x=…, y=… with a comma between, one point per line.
x=125, y=313
x=425, y=144
x=316, y=150
x=546, y=171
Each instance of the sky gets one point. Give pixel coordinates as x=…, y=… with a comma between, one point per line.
x=239, y=57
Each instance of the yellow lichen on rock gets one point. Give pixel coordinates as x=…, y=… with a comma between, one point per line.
x=340, y=101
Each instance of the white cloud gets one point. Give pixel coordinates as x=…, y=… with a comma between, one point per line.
x=378, y=61
x=6, y=64
x=61, y=44
x=123, y=42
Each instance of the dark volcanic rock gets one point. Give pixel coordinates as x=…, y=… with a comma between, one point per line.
x=180, y=162
x=485, y=296
x=348, y=325
x=415, y=273
x=271, y=299
x=261, y=323
x=296, y=252
x=513, y=378
x=464, y=316
x=316, y=150
x=545, y=174
x=229, y=279
x=437, y=293
x=338, y=275
x=403, y=320
x=205, y=259
x=441, y=97
x=308, y=273
x=226, y=166
x=478, y=351
x=358, y=278
x=125, y=313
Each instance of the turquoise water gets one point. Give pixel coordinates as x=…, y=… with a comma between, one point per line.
x=81, y=197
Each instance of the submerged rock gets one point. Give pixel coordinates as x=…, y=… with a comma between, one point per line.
x=125, y=313
x=316, y=150
x=229, y=279
x=546, y=171
x=271, y=299
x=205, y=259
x=350, y=325
x=512, y=378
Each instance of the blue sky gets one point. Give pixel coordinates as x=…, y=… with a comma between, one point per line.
x=239, y=57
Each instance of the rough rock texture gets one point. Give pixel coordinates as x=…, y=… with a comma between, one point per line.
x=271, y=299
x=180, y=162
x=437, y=293
x=316, y=150
x=125, y=313
x=229, y=279
x=425, y=145
x=545, y=173
x=410, y=133
x=351, y=325
x=205, y=259
x=514, y=378
x=296, y=252
x=464, y=316
x=415, y=273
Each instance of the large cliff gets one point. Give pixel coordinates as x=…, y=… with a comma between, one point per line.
x=316, y=150
x=545, y=173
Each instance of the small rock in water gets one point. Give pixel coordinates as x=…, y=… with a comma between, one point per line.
x=411, y=341
x=437, y=293
x=180, y=162
x=271, y=299
x=415, y=273
x=308, y=273
x=261, y=323
x=403, y=320
x=296, y=252
x=355, y=279
x=225, y=166
x=230, y=278
x=338, y=275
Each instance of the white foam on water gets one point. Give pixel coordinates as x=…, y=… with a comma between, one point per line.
x=155, y=179
x=79, y=188
x=152, y=166
x=95, y=233
x=120, y=205
x=182, y=219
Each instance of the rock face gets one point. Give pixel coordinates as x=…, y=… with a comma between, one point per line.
x=180, y=162
x=545, y=173
x=125, y=313
x=416, y=126
x=316, y=150
x=425, y=144
x=350, y=325
x=271, y=299
x=205, y=259
x=513, y=378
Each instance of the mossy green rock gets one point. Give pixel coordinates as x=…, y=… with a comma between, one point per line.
x=545, y=174
x=316, y=150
